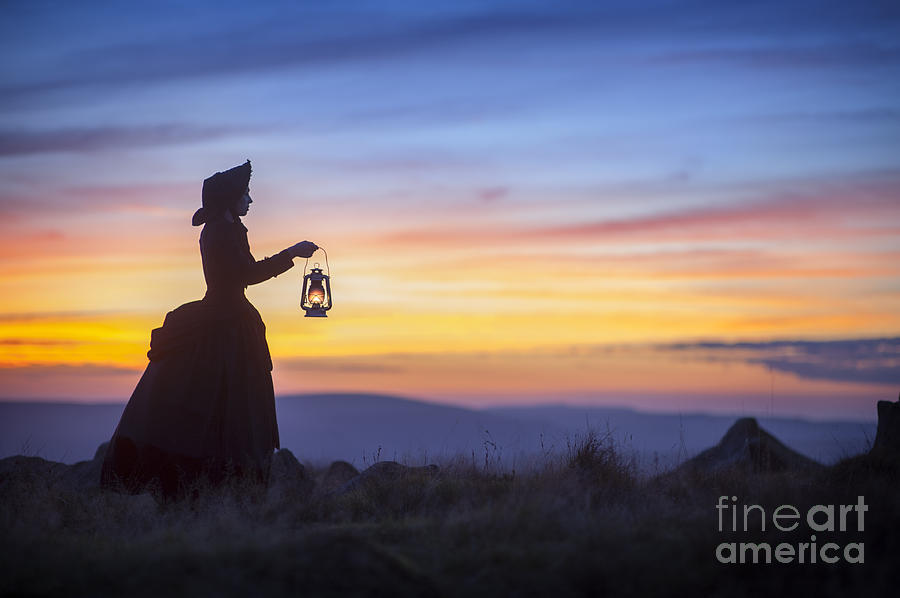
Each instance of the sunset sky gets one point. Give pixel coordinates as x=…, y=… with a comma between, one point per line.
x=688, y=206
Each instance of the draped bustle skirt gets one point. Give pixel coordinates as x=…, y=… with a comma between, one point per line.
x=204, y=409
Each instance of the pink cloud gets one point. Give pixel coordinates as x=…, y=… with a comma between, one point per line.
x=868, y=209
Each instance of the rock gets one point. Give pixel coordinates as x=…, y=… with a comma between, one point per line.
x=887, y=438
x=384, y=470
x=288, y=479
x=100, y=453
x=85, y=475
x=338, y=474
x=81, y=476
x=20, y=466
x=286, y=466
x=746, y=446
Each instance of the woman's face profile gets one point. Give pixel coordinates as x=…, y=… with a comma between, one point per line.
x=243, y=204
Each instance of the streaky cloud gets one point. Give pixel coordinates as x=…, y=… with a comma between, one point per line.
x=339, y=365
x=820, y=56
x=866, y=361
x=792, y=211
x=85, y=369
x=37, y=316
x=874, y=116
x=277, y=45
x=289, y=39
x=37, y=342
x=84, y=139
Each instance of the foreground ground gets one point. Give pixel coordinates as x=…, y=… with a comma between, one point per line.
x=584, y=523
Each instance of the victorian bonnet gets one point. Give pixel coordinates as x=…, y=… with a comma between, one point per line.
x=220, y=191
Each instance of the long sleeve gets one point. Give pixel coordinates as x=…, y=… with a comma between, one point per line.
x=228, y=264
x=257, y=271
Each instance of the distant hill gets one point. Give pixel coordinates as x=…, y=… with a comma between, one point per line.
x=356, y=427
x=675, y=436
x=749, y=448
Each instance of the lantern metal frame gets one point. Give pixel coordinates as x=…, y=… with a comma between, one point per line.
x=316, y=275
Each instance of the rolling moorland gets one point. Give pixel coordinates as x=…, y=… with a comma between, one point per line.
x=323, y=428
x=584, y=519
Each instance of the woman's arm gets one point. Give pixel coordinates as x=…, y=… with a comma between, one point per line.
x=227, y=257
x=264, y=269
x=255, y=272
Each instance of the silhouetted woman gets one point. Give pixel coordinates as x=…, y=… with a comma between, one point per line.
x=205, y=406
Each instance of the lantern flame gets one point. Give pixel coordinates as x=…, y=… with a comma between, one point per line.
x=316, y=294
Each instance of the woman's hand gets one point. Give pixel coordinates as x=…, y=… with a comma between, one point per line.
x=302, y=249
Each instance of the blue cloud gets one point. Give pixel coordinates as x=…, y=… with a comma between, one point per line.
x=209, y=39
x=80, y=139
x=869, y=361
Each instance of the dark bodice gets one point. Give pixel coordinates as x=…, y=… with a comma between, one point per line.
x=228, y=265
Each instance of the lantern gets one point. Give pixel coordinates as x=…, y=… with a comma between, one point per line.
x=316, y=297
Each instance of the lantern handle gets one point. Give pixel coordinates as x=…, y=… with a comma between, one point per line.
x=327, y=267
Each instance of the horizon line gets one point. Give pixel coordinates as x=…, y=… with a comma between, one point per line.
x=61, y=401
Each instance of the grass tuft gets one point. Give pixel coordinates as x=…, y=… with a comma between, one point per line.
x=582, y=523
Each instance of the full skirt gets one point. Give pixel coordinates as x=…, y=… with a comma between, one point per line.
x=204, y=407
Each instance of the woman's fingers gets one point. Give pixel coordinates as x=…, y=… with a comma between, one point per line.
x=304, y=249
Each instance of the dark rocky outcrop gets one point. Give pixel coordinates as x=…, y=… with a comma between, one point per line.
x=81, y=476
x=384, y=471
x=86, y=474
x=288, y=478
x=748, y=447
x=338, y=474
x=21, y=466
x=887, y=438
